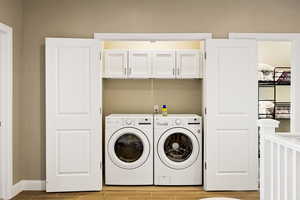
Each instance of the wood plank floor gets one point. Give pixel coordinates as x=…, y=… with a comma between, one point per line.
x=138, y=193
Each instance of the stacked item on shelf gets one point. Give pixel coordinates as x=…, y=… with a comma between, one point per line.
x=282, y=110
x=282, y=75
x=266, y=109
x=265, y=73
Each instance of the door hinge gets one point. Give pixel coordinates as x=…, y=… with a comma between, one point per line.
x=205, y=165
x=100, y=165
x=100, y=56
x=205, y=111
x=205, y=55
x=0, y=123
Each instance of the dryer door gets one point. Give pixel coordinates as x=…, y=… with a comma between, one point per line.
x=178, y=148
x=128, y=148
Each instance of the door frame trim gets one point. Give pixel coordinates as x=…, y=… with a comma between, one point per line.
x=6, y=90
x=294, y=38
x=152, y=36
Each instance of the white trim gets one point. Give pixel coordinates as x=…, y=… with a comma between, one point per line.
x=265, y=36
x=28, y=185
x=295, y=39
x=34, y=185
x=17, y=189
x=6, y=56
x=152, y=36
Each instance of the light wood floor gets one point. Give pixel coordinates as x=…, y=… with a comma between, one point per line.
x=138, y=193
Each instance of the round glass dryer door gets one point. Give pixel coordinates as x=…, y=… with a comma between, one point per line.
x=178, y=148
x=128, y=148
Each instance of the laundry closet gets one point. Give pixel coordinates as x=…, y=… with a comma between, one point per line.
x=147, y=75
x=89, y=79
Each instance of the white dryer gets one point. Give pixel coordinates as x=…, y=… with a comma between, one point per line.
x=129, y=149
x=178, y=149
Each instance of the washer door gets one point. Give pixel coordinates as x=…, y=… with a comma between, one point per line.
x=128, y=148
x=178, y=148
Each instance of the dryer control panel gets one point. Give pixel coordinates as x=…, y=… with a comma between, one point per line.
x=178, y=121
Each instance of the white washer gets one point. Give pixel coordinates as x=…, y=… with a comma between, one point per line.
x=129, y=149
x=178, y=149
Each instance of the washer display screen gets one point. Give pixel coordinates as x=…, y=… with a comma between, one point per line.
x=129, y=148
x=178, y=147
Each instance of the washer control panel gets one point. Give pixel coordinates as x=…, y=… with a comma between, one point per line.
x=137, y=121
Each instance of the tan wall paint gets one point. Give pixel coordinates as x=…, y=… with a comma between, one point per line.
x=81, y=18
x=11, y=13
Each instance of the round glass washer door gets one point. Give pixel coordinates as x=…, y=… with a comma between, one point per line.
x=178, y=148
x=128, y=148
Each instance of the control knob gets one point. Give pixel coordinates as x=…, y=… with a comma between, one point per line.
x=177, y=122
x=128, y=122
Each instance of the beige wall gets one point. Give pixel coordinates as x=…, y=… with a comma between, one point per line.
x=81, y=18
x=11, y=13
x=275, y=53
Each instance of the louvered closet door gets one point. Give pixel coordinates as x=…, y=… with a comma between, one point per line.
x=73, y=118
x=231, y=122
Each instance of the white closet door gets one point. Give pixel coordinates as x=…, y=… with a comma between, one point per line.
x=115, y=63
x=139, y=64
x=231, y=135
x=188, y=64
x=164, y=64
x=73, y=118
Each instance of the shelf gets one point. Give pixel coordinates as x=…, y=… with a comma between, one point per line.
x=281, y=77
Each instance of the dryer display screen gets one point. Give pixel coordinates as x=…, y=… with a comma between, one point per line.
x=129, y=148
x=178, y=147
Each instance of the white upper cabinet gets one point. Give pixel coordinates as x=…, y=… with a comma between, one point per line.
x=139, y=64
x=167, y=64
x=115, y=63
x=189, y=64
x=163, y=64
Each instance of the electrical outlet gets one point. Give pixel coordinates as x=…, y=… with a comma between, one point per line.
x=156, y=109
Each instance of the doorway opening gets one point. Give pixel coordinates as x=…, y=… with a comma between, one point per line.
x=274, y=82
x=140, y=75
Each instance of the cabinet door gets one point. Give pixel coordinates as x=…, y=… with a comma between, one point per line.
x=115, y=63
x=164, y=64
x=73, y=120
x=188, y=64
x=231, y=134
x=139, y=64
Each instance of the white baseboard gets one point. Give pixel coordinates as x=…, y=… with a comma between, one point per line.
x=16, y=189
x=28, y=185
x=34, y=185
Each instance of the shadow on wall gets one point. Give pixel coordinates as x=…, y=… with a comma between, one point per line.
x=43, y=110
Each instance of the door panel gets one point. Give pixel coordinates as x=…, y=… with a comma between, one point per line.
x=164, y=64
x=188, y=64
x=139, y=64
x=73, y=119
x=73, y=96
x=115, y=63
x=231, y=142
